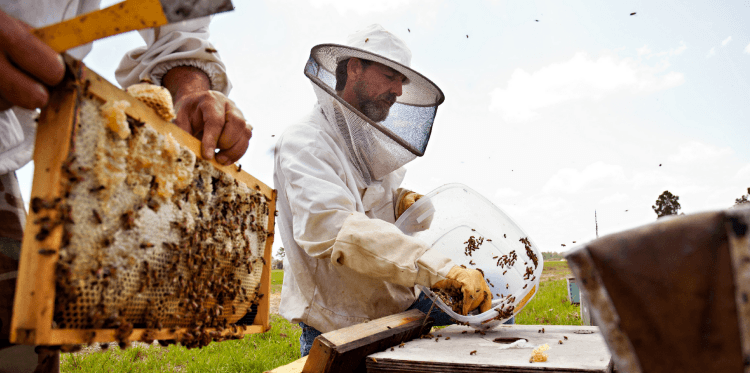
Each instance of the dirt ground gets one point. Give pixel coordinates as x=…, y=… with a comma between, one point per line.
x=555, y=272
x=275, y=300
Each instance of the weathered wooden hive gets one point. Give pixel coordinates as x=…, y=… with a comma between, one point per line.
x=131, y=236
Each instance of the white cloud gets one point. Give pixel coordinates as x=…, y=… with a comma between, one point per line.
x=569, y=180
x=711, y=53
x=679, y=49
x=747, y=49
x=360, y=6
x=674, y=51
x=743, y=173
x=643, y=50
x=614, y=198
x=726, y=41
x=503, y=194
x=697, y=152
x=582, y=77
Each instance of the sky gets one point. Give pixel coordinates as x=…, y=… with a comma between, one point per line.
x=554, y=110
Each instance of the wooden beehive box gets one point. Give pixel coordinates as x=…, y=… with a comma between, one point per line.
x=131, y=236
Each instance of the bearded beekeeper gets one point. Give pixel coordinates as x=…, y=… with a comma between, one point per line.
x=338, y=174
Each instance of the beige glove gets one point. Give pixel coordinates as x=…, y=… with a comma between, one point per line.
x=406, y=199
x=471, y=283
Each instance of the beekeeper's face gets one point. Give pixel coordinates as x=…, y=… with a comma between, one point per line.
x=375, y=87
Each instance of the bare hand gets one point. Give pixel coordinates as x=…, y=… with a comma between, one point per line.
x=215, y=120
x=26, y=66
x=207, y=115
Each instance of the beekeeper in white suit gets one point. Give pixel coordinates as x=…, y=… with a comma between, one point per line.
x=338, y=174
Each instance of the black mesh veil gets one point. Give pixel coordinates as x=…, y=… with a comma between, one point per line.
x=376, y=148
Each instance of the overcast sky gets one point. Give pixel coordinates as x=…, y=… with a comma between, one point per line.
x=553, y=109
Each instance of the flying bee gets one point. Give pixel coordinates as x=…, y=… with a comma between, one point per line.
x=473, y=352
x=211, y=50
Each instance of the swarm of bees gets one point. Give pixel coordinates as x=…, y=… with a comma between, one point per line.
x=529, y=252
x=144, y=250
x=473, y=244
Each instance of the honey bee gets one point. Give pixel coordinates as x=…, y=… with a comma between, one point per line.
x=211, y=50
x=632, y=14
x=559, y=342
x=565, y=338
x=367, y=39
x=473, y=352
x=239, y=167
x=47, y=252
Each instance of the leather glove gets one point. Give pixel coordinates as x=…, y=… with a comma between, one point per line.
x=471, y=283
x=406, y=200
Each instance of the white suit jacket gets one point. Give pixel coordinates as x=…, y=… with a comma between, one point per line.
x=345, y=260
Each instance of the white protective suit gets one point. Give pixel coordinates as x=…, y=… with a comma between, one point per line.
x=345, y=260
x=182, y=44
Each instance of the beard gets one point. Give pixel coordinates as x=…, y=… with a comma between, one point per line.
x=376, y=109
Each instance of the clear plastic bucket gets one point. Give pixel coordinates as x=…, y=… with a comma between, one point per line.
x=447, y=217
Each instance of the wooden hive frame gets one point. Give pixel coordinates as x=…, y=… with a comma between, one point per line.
x=35, y=290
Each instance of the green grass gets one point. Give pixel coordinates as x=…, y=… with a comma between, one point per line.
x=254, y=353
x=280, y=345
x=277, y=278
x=550, y=306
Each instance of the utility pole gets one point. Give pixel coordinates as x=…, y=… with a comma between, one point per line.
x=597, y=225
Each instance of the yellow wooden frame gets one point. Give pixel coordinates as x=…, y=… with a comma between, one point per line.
x=35, y=286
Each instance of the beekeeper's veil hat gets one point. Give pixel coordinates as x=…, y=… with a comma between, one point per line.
x=376, y=148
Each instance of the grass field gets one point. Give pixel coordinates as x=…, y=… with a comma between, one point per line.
x=277, y=278
x=280, y=345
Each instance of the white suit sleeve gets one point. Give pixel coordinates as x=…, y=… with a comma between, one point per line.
x=181, y=44
x=326, y=225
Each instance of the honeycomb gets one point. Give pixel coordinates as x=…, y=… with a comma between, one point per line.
x=153, y=237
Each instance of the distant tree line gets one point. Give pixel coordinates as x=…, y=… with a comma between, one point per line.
x=553, y=256
x=669, y=204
